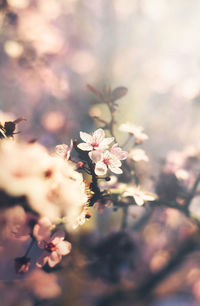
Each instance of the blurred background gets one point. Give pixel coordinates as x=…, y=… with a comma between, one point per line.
x=50, y=50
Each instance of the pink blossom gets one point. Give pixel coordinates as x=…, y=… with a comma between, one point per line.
x=105, y=161
x=64, y=150
x=42, y=229
x=117, y=151
x=55, y=247
x=96, y=141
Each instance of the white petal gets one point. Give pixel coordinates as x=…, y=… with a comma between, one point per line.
x=98, y=135
x=85, y=146
x=101, y=168
x=149, y=197
x=54, y=259
x=114, y=161
x=115, y=169
x=95, y=156
x=64, y=247
x=86, y=137
x=57, y=237
x=62, y=149
x=105, y=142
x=139, y=201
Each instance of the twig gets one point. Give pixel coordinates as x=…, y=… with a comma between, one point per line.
x=193, y=191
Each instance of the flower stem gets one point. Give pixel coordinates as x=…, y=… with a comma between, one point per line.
x=124, y=218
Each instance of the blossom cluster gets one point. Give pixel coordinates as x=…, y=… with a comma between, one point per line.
x=97, y=145
x=46, y=194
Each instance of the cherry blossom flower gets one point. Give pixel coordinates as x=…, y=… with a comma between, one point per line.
x=52, y=188
x=135, y=130
x=64, y=150
x=139, y=196
x=55, y=247
x=105, y=161
x=42, y=229
x=96, y=141
x=117, y=151
x=138, y=155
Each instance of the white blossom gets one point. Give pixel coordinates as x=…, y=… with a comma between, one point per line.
x=96, y=141
x=138, y=155
x=139, y=196
x=105, y=161
x=135, y=130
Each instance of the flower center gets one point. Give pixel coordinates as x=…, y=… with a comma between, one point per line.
x=106, y=161
x=50, y=247
x=95, y=144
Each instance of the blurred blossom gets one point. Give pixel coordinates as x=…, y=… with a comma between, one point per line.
x=124, y=9
x=19, y=4
x=136, y=131
x=18, y=223
x=44, y=185
x=43, y=285
x=53, y=121
x=50, y=10
x=159, y=260
x=139, y=196
x=82, y=62
x=138, y=155
x=13, y=48
x=44, y=36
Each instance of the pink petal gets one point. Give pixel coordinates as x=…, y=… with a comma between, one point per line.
x=41, y=231
x=42, y=260
x=85, y=146
x=54, y=259
x=86, y=137
x=64, y=247
x=62, y=149
x=124, y=155
x=101, y=168
x=58, y=237
x=95, y=156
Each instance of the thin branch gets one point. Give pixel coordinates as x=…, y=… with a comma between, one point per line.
x=193, y=191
